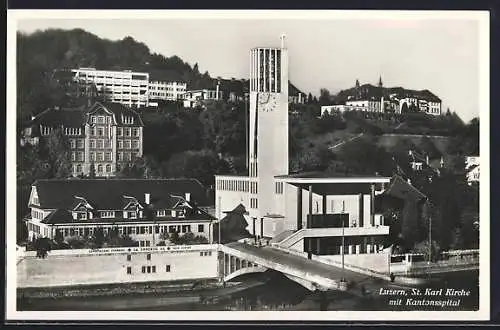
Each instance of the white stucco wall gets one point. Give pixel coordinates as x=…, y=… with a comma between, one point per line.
x=80, y=267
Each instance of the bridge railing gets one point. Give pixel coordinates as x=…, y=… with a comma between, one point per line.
x=415, y=262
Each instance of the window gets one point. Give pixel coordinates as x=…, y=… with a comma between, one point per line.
x=143, y=269
x=108, y=156
x=167, y=268
x=92, y=143
x=78, y=168
x=149, y=269
x=80, y=156
x=107, y=214
x=135, y=144
x=100, y=144
x=120, y=144
x=128, y=144
x=127, y=131
x=119, y=131
x=108, y=168
x=129, y=257
x=80, y=143
x=100, y=131
x=99, y=168
x=73, y=144
x=93, y=119
x=153, y=269
x=135, y=132
x=160, y=213
x=120, y=156
x=148, y=256
x=100, y=119
x=201, y=228
x=129, y=156
x=92, y=156
x=129, y=269
x=73, y=156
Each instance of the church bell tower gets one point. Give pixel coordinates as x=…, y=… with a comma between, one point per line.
x=268, y=143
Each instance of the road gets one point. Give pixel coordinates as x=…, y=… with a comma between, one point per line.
x=370, y=284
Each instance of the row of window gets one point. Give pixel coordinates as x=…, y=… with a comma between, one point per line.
x=253, y=203
x=36, y=214
x=253, y=168
x=131, y=230
x=99, y=168
x=128, y=144
x=232, y=185
x=253, y=188
x=279, y=187
x=101, y=119
x=205, y=253
x=129, y=120
x=77, y=143
x=148, y=269
x=80, y=158
x=72, y=131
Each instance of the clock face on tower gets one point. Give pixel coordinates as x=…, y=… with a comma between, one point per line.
x=268, y=101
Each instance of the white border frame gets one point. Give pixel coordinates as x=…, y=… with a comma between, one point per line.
x=484, y=57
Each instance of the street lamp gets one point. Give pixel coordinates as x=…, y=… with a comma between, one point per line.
x=343, y=241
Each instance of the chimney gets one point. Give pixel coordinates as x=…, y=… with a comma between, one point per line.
x=147, y=198
x=188, y=197
x=217, y=91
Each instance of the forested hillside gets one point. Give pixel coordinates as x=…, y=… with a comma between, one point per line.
x=41, y=53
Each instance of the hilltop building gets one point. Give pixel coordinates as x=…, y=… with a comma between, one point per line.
x=105, y=136
x=165, y=91
x=378, y=98
x=76, y=208
x=306, y=212
x=125, y=87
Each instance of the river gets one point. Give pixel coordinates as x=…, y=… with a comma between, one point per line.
x=268, y=291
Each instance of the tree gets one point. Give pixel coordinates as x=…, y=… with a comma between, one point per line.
x=404, y=108
x=42, y=246
x=59, y=153
x=174, y=237
x=99, y=237
x=325, y=97
x=92, y=173
x=59, y=238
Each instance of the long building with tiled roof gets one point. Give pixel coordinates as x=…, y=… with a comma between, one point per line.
x=105, y=136
x=77, y=207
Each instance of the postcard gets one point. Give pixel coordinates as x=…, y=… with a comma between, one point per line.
x=247, y=165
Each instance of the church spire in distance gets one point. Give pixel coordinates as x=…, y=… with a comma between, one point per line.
x=380, y=81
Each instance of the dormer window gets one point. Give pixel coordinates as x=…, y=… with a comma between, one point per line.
x=93, y=119
x=160, y=213
x=81, y=216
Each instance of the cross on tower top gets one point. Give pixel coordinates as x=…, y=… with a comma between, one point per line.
x=283, y=41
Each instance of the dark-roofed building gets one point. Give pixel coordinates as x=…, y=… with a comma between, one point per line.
x=76, y=208
x=105, y=136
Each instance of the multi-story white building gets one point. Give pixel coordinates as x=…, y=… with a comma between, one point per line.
x=165, y=91
x=304, y=212
x=126, y=87
x=105, y=136
x=431, y=106
x=191, y=99
x=77, y=208
x=365, y=105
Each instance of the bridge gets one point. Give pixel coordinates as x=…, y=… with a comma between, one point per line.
x=241, y=258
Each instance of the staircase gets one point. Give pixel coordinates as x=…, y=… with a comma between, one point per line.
x=292, y=239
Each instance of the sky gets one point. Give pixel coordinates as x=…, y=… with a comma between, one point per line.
x=435, y=53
